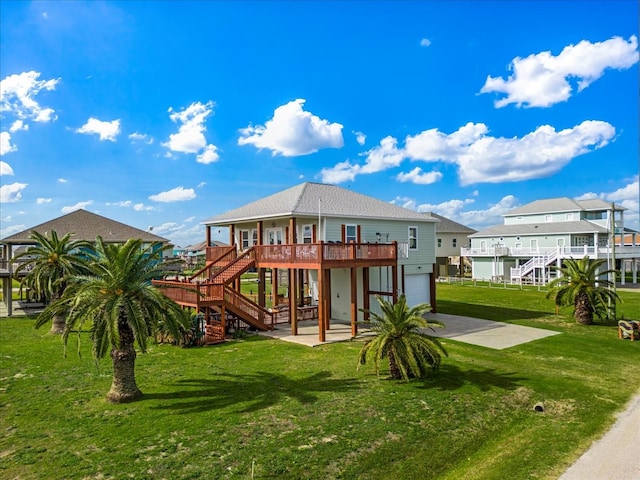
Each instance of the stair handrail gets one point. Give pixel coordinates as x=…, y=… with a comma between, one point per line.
x=248, y=306
x=249, y=254
x=231, y=251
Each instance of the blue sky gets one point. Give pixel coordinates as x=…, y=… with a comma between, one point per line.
x=165, y=114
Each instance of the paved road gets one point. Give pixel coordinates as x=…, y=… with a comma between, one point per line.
x=616, y=456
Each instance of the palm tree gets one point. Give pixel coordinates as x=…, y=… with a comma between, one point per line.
x=581, y=283
x=121, y=306
x=400, y=336
x=48, y=263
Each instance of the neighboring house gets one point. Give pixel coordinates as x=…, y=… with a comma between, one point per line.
x=539, y=235
x=193, y=255
x=335, y=249
x=451, y=237
x=82, y=224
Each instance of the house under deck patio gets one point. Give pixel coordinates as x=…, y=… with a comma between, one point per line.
x=215, y=291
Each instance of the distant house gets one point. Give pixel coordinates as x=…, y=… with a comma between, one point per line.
x=83, y=225
x=540, y=235
x=195, y=254
x=333, y=248
x=451, y=237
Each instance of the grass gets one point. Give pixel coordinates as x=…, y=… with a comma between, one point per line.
x=260, y=408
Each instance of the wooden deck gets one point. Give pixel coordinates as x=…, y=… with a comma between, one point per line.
x=320, y=255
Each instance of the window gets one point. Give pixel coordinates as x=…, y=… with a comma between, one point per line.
x=439, y=243
x=455, y=242
x=307, y=234
x=548, y=218
x=351, y=233
x=254, y=235
x=413, y=238
x=568, y=217
x=244, y=239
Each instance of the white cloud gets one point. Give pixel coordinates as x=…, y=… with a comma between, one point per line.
x=141, y=137
x=481, y=158
x=42, y=200
x=202, y=184
x=425, y=42
x=124, y=203
x=360, y=137
x=628, y=196
x=12, y=193
x=5, y=144
x=477, y=219
x=5, y=169
x=293, y=132
x=342, y=172
x=541, y=80
x=419, y=177
x=208, y=155
x=77, y=206
x=189, y=219
x=62, y=180
x=190, y=137
x=18, y=125
x=538, y=154
x=141, y=207
x=178, y=194
x=106, y=130
x=17, y=94
x=384, y=156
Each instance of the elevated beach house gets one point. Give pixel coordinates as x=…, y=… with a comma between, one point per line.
x=539, y=235
x=320, y=252
x=82, y=224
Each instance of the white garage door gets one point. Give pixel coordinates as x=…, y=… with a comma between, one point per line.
x=417, y=289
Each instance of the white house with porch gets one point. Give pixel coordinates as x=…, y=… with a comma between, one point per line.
x=538, y=236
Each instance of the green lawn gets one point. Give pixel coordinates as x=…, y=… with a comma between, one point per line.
x=260, y=408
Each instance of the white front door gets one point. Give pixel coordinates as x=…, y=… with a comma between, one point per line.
x=274, y=236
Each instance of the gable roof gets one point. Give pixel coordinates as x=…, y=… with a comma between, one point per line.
x=562, y=204
x=313, y=199
x=446, y=225
x=84, y=225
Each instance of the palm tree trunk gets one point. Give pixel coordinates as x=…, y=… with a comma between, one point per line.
x=583, y=313
x=123, y=387
x=58, y=324
x=393, y=367
x=59, y=321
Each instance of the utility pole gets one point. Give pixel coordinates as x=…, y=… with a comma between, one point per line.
x=612, y=308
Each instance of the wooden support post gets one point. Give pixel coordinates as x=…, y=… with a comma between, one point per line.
x=432, y=291
x=262, y=276
x=365, y=293
x=394, y=282
x=321, y=305
x=327, y=287
x=354, y=302
x=208, y=236
x=293, y=303
x=274, y=287
x=223, y=321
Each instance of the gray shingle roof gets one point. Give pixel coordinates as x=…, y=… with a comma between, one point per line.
x=309, y=199
x=562, y=204
x=578, y=226
x=446, y=225
x=84, y=225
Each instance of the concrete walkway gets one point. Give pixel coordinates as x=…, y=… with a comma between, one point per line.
x=616, y=456
x=484, y=333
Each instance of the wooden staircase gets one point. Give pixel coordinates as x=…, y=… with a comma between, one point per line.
x=212, y=286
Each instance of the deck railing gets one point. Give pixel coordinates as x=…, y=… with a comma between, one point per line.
x=318, y=253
